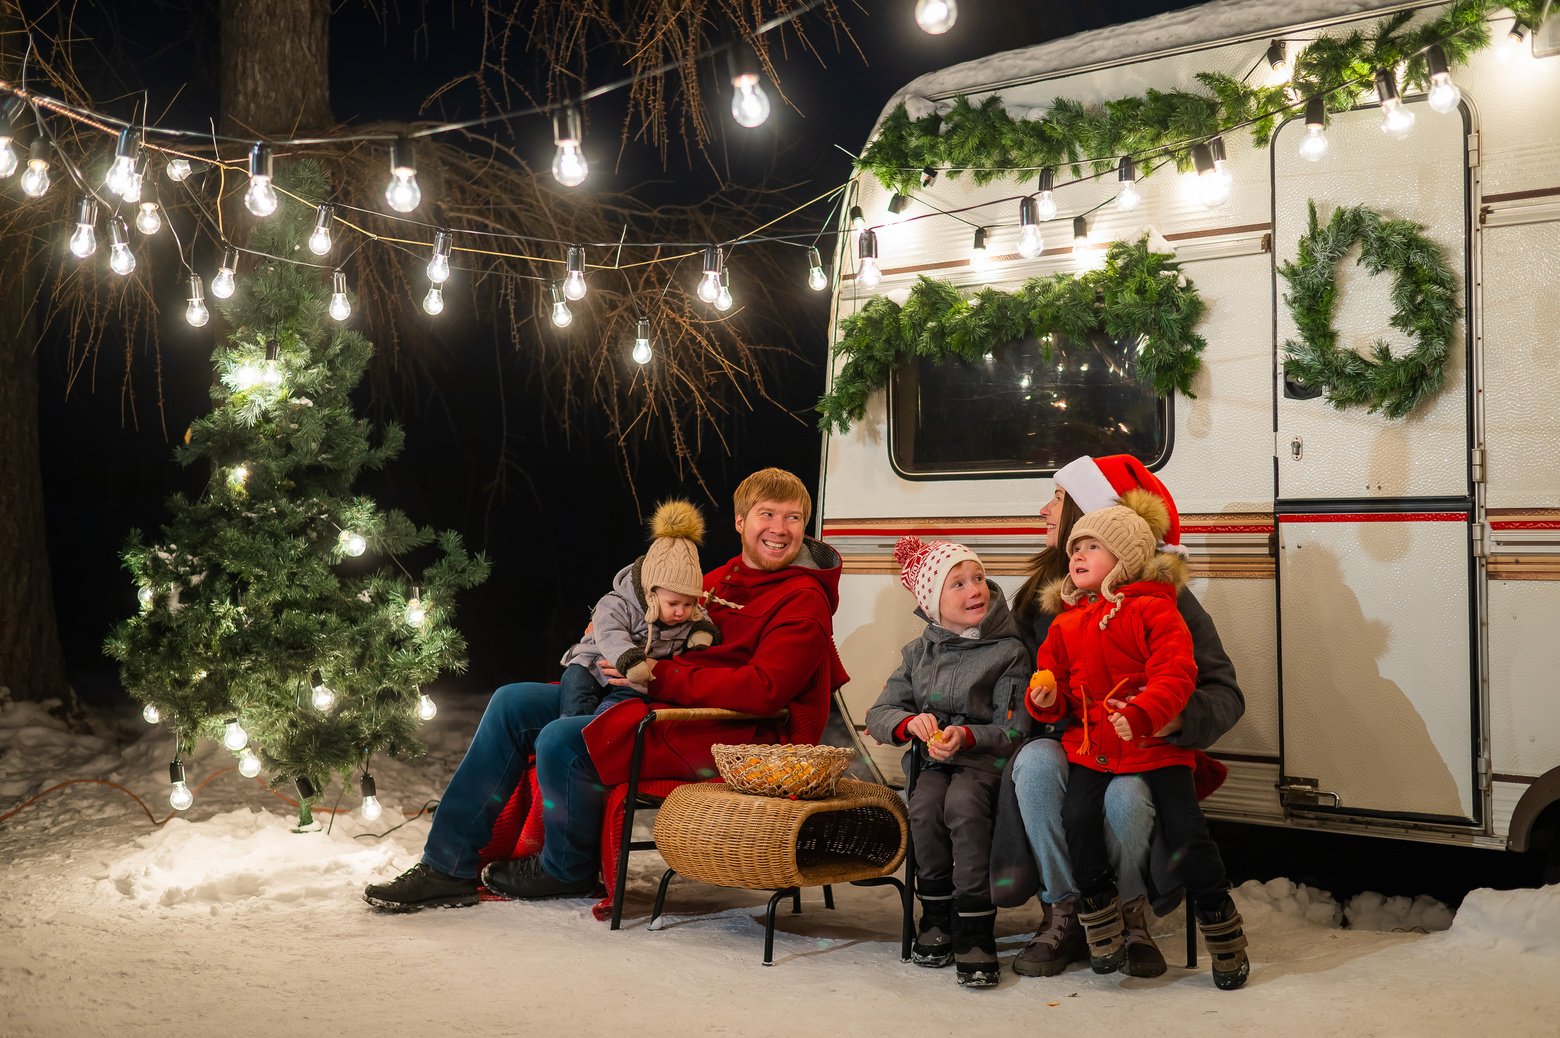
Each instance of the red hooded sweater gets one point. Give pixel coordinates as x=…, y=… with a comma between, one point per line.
x=776, y=651
x=1144, y=655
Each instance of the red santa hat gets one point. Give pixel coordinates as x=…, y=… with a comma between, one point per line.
x=1096, y=483
x=924, y=566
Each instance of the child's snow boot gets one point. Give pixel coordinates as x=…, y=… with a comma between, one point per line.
x=1225, y=940
x=1144, y=958
x=934, y=938
x=1102, y=930
x=975, y=943
x=1058, y=942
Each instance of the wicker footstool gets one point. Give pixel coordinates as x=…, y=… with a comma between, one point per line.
x=710, y=832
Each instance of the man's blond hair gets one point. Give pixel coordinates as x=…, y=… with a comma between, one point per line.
x=772, y=484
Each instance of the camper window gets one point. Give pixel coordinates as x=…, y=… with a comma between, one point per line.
x=1017, y=412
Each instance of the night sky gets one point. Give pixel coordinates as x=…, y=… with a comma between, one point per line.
x=567, y=523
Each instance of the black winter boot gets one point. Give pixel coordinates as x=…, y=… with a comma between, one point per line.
x=975, y=943
x=1225, y=939
x=422, y=886
x=934, y=938
x=1102, y=929
x=1144, y=959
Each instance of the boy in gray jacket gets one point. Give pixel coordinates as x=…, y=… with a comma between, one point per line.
x=959, y=689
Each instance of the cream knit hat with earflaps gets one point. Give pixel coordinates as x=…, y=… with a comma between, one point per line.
x=1131, y=531
x=673, y=559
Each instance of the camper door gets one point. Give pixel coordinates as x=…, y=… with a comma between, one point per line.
x=1378, y=686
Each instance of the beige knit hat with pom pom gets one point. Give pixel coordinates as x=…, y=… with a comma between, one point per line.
x=673, y=559
x=1130, y=530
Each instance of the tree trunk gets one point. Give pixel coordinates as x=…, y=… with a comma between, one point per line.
x=275, y=67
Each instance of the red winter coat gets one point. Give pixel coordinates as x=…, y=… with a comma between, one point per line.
x=1145, y=651
x=776, y=651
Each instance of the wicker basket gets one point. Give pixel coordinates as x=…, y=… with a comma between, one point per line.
x=801, y=772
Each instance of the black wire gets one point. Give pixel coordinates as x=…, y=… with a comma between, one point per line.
x=427, y=804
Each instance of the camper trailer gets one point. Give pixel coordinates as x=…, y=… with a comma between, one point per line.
x=1388, y=589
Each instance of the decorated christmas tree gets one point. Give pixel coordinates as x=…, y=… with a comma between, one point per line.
x=278, y=610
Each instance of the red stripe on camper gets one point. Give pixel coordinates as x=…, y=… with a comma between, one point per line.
x=1525, y=524
x=1377, y=517
x=1266, y=528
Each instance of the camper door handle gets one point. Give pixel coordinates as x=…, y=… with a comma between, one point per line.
x=1296, y=448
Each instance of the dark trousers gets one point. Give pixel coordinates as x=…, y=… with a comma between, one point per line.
x=1195, y=859
x=579, y=693
x=951, y=811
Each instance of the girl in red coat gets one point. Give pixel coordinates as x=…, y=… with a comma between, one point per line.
x=1119, y=658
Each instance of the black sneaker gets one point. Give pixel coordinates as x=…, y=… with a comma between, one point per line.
x=525, y=878
x=422, y=886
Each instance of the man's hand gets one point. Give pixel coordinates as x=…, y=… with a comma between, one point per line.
x=922, y=726
x=947, y=743
x=611, y=673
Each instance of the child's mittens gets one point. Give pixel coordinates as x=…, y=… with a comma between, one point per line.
x=634, y=666
x=702, y=635
x=1042, y=689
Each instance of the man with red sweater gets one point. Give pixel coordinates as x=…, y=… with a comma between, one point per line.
x=774, y=605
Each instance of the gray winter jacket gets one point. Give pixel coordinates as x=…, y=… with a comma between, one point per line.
x=977, y=682
x=618, y=630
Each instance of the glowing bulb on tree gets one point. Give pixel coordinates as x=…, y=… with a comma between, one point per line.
x=351, y=543
x=426, y=708
x=723, y=298
x=1314, y=145
x=120, y=259
x=234, y=737
x=562, y=316
x=709, y=282
x=223, y=285
x=1045, y=202
x=36, y=180
x=319, y=238
x=238, y=475
x=8, y=114
x=150, y=714
x=261, y=198
x=340, y=306
x=569, y=167
x=433, y=302
x=402, y=193
x=936, y=16
x=439, y=264
x=132, y=192
x=1444, y=95
x=322, y=697
x=271, y=372
x=196, y=313
x=817, y=280
x=749, y=101
x=574, y=286
x=145, y=596
x=123, y=166
x=416, y=612
x=371, y=808
x=641, y=351
x=83, y=240
x=178, y=170
x=149, y=219
x=179, y=798
x=248, y=764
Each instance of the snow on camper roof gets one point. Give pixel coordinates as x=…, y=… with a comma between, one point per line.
x=1206, y=23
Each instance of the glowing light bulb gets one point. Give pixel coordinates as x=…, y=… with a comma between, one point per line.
x=352, y=543
x=1212, y=188
x=749, y=102
x=1444, y=95
x=8, y=114
x=260, y=198
x=641, y=351
x=561, y=315
x=709, y=284
x=179, y=798
x=980, y=256
x=371, y=808
x=857, y=219
x=340, y=305
x=237, y=476
x=1128, y=197
x=1278, y=63
x=248, y=764
x=723, y=298
x=1314, y=145
x=120, y=259
x=936, y=16
x=1045, y=206
x=817, y=280
x=433, y=302
x=319, y=238
x=439, y=264
x=150, y=714
x=145, y=596
x=83, y=240
x=271, y=372
x=149, y=219
x=1397, y=121
x=223, y=285
x=178, y=170
x=246, y=376
x=234, y=737
x=402, y=193
x=123, y=167
x=569, y=167
x=322, y=697
x=868, y=275
x=196, y=313
x=416, y=612
x=8, y=160
x=132, y=191
x=35, y=181
x=1513, y=46
x=426, y=708
x=574, y=281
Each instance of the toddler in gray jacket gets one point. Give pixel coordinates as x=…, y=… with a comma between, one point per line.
x=959, y=690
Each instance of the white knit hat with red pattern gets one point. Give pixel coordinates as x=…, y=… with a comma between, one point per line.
x=924, y=566
x=1096, y=483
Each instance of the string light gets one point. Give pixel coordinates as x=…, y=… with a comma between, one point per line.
x=416, y=612
x=1212, y=189
x=1080, y=241
x=817, y=280
x=723, y=298
x=238, y=476
x=83, y=240
x=574, y=280
x=749, y=101
x=641, y=354
x=868, y=276
x=857, y=218
x=351, y=543
x=196, y=313
x=305, y=787
x=897, y=206
x=1512, y=46
x=179, y=798
x=144, y=595
x=1278, y=62
x=1128, y=197
x=371, y=808
x=426, y=708
x=980, y=256
x=148, y=219
x=709, y=283
x=132, y=192
x=433, y=302
x=1314, y=146
x=150, y=714
x=271, y=371
x=928, y=176
x=1030, y=243
x=123, y=166
x=1045, y=204
x=402, y=193
x=1444, y=95
x=8, y=113
x=340, y=305
x=322, y=697
x=234, y=737
x=35, y=181
x=569, y=167
x=562, y=316
x=261, y=198
x=248, y=764
x=178, y=170
x=225, y=282
x=319, y=238
x=439, y=265
x=120, y=259
x=1397, y=121
x=936, y=17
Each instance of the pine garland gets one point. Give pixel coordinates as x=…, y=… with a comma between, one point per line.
x=985, y=140
x=1425, y=307
x=1138, y=294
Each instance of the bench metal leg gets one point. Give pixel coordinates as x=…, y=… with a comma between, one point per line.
x=828, y=896
x=769, y=920
x=660, y=897
x=906, y=906
x=1191, y=936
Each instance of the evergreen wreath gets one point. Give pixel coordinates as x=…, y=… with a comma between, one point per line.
x=1138, y=294
x=1425, y=306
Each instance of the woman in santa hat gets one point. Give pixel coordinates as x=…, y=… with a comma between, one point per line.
x=1029, y=848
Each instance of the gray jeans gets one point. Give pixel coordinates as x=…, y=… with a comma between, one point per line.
x=950, y=821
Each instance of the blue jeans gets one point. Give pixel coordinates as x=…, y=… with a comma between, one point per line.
x=1040, y=780
x=522, y=719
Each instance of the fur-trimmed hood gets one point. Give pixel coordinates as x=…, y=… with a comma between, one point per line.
x=1163, y=568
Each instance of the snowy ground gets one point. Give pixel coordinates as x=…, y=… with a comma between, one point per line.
x=224, y=921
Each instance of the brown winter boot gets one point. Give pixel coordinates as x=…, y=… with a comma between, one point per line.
x=1226, y=943
x=1102, y=930
x=1059, y=941
x=1143, y=956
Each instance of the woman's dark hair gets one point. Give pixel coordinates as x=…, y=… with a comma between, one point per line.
x=1047, y=564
